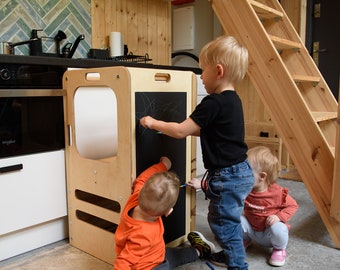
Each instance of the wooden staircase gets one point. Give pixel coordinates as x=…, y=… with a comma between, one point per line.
x=303, y=109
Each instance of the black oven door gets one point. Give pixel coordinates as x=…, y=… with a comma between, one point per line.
x=31, y=124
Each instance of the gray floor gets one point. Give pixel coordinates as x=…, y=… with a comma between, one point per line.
x=310, y=246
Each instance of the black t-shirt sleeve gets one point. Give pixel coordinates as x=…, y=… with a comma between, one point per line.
x=220, y=117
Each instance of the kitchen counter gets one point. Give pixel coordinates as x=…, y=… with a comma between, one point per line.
x=81, y=63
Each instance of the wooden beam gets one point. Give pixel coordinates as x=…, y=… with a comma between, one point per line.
x=335, y=203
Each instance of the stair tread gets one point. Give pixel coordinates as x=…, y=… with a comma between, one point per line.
x=324, y=116
x=306, y=78
x=284, y=44
x=263, y=139
x=265, y=12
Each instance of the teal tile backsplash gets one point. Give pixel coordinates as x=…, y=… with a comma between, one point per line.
x=18, y=18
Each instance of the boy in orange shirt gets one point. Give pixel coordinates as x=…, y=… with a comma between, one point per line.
x=139, y=236
x=268, y=207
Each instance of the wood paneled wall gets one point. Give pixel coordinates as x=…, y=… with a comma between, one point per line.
x=144, y=24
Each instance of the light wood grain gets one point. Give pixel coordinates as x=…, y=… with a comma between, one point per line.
x=145, y=26
x=290, y=106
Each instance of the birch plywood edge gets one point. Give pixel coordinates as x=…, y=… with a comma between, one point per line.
x=104, y=179
x=335, y=205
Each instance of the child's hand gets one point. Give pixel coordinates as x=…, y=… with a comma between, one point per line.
x=271, y=220
x=195, y=183
x=166, y=161
x=146, y=122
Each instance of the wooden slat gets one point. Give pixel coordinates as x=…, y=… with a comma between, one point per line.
x=262, y=140
x=335, y=204
x=304, y=78
x=265, y=12
x=324, y=116
x=284, y=44
x=131, y=36
x=98, y=28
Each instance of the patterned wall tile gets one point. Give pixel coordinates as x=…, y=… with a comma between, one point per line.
x=73, y=17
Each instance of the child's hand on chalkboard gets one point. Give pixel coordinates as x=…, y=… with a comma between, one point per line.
x=146, y=122
x=166, y=161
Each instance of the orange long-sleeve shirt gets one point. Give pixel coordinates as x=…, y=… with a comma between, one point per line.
x=139, y=244
x=274, y=201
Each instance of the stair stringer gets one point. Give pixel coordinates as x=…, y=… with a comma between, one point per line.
x=293, y=120
x=335, y=204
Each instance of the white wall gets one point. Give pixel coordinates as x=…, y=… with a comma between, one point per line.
x=206, y=28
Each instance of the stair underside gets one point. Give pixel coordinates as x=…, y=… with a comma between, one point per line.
x=281, y=86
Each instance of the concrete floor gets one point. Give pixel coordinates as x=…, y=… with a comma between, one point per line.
x=310, y=246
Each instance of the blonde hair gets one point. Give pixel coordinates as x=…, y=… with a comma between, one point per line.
x=159, y=194
x=226, y=50
x=261, y=159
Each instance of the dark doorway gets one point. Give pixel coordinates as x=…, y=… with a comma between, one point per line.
x=323, y=39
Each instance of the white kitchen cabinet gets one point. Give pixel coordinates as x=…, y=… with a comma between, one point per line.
x=33, y=203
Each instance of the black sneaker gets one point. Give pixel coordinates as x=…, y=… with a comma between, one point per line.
x=219, y=258
x=198, y=241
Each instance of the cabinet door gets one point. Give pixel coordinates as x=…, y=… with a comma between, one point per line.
x=34, y=194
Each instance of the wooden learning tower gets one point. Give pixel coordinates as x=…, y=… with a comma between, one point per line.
x=106, y=148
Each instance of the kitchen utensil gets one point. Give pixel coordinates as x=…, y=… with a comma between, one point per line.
x=6, y=48
x=59, y=37
x=67, y=51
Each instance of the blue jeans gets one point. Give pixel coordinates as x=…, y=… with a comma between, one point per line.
x=227, y=190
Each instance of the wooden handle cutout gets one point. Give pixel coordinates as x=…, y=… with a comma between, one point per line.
x=93, y=76
x=162, y=77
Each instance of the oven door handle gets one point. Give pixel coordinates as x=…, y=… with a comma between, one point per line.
x=11, y=168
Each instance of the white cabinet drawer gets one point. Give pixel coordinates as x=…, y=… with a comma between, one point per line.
x=35, y=194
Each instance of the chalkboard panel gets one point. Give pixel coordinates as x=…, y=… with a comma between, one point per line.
x=150, y=146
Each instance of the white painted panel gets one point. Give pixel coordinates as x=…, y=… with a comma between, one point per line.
x=35, y=194
x=183, y=28
x=25, y=240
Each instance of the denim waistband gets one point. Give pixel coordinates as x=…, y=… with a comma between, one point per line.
x=230, y=169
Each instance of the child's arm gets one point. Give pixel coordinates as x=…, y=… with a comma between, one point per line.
x=163, y=165
x=172, y=129
x=288, y=209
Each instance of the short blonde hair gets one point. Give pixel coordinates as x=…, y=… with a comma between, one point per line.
x=261, y=159
x=226, y=50
x=159, y=194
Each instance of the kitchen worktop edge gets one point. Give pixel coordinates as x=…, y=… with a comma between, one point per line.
x=82, y=63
